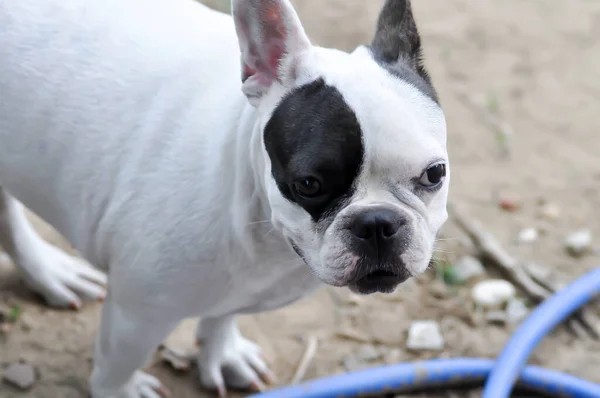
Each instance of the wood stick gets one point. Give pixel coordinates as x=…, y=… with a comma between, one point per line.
x=531, y=279
x=307, y=357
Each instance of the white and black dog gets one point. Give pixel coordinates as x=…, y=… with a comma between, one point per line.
x=125, y=125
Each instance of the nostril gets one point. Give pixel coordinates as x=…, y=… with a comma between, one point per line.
x=362, y=229
x=389, y=229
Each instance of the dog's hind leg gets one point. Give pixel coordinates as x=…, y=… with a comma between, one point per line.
x=60, y=278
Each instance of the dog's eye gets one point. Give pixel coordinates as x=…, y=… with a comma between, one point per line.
x=308, y=187
x=434, y=175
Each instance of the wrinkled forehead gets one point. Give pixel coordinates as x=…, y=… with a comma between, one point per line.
x=401, y=124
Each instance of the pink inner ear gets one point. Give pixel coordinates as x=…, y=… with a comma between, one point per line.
x=275, y=35
x=264, y=53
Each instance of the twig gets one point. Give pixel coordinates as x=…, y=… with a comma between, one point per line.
x=307, y=357
x=490, y=248
x=536, y=284
x=587, y=319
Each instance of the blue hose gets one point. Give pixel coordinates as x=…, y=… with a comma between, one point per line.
x=534, y=328
x=510, y=367
x=446, y=373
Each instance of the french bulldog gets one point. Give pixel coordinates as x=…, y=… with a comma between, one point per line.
x=210, y=165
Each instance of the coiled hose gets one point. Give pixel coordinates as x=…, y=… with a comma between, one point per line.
x=448, y=373
x=549, y=314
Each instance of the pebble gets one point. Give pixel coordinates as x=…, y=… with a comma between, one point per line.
x=393, y=356
x=20, y=375
x=528, y=235
x=467, y=268
x=353, y=364
x=509, y=203
x=5, y=328
x=425, y=335
x=516, y=311
x=177, y=360
x=579, y=243
x=493, y=293
x=550, y=212
x=369, y=353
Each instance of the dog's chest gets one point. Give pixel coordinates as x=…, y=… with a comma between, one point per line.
x=273, y=278
x=276, y=278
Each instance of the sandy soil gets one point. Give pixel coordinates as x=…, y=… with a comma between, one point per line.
x=535, y=66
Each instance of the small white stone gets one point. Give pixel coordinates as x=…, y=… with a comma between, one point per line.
x=528, y=235
x=550, y=212
x=468, y=267
x=493, y=293
x=353, y=364
x=516, y=311
x=368, y=353
x=20, y=375
x=425, y=335
x=393, y=356
x=176, y=359
x=578, y=243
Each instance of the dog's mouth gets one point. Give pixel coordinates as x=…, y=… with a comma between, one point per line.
x=380, y=281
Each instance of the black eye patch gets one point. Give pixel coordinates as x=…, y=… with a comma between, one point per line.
x=314, y=134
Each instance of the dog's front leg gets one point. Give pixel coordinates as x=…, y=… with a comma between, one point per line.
x=129, y=334
x=227, y=359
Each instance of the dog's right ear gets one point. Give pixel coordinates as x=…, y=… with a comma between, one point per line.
x=397, y=42
x=271, y=39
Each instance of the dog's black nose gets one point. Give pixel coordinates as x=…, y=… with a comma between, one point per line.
x=380, y=235
x=378, y=226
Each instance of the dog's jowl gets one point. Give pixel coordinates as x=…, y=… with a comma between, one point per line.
x=213, y=165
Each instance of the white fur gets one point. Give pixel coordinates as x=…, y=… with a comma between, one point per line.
x=124, y=125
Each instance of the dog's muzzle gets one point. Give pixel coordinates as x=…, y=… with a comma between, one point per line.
x=379, y=236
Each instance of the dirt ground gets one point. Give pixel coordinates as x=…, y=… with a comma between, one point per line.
x=533, y=65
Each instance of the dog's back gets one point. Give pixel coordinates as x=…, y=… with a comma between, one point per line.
x=80, y=78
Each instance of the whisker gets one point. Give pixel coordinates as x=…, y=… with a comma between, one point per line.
x=293, y=262
x=444, y=251
x=258, y=222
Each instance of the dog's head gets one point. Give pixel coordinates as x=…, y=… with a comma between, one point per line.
x=356, y=166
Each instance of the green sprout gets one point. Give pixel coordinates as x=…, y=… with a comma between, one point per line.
x=14, y=313
x=447, y=273
x=492, y=103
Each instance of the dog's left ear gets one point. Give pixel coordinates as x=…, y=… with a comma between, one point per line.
x=271, y=39
x=397, y=43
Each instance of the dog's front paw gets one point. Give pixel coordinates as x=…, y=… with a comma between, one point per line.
x=237, y=364
x=141, y=385
x=63, y=280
